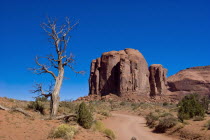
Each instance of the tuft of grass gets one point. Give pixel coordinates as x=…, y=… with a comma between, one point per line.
x=105, y=113
x=63, y=131
x=207, y=125
x=135, y=106
x=99, y=126
x=109, y=133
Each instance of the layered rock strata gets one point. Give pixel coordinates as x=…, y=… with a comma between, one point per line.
x=191, y=80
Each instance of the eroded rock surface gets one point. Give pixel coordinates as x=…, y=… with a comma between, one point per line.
x=191, y=80
x=157, y=79
x=119, y=72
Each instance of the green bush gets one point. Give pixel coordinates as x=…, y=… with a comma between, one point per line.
x=205, y=102
x=151, y=119
x=63, y=131
x=85, y=117
x=110, y=134
x=165, y=123
x=190, y=107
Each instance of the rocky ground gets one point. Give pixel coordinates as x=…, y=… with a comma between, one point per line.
x=126, y=119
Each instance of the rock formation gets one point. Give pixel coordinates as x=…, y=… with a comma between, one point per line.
x=125, y=72
x=191, y=80
x=157, y=79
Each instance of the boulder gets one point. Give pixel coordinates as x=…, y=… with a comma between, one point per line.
x=157, y=79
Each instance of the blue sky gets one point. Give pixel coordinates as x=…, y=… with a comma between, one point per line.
x=174, y=33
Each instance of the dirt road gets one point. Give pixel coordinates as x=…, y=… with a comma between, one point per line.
x=128, y=126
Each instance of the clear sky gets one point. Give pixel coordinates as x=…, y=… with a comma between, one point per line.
x=174, y=33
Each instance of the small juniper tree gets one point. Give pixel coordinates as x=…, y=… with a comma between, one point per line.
x=189, y=107
x=85, y=118
x=59, y=38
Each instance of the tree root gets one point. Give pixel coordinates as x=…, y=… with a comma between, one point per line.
x=16, y=110
x=66, y=118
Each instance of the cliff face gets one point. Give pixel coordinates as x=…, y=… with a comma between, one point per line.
x=125, y=72
x=157, y=79
x=191, y=80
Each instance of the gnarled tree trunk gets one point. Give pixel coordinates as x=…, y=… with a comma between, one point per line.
x=55, y=94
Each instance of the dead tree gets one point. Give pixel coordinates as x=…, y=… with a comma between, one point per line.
x=59, y=38
x=15, y=110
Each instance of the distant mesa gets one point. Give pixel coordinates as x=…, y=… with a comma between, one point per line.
x=126, y=72
x=191, y=80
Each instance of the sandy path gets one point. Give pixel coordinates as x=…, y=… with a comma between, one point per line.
x=128, y=126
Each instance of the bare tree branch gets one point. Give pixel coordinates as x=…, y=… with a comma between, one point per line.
x=39, y=89
x=42, y=69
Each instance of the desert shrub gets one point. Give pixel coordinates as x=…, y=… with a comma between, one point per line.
x=105, y=113
x=109, y=133
x=165, y=104
x=63, y=131
x=85, y=117
x=99, y=106
x=151, y=119
x=205, y=102
x=98, y=126
x=166, y=114
x=145, y=106
x=165, y=123
x=42, y=99
x=133, y=138
x=207, y=125
x=68, y=107
x=37, y=106
x=198, y=118
x=122, y=103
x=190, y=107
